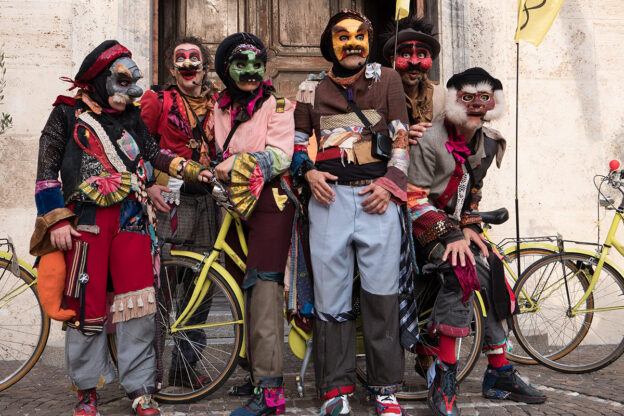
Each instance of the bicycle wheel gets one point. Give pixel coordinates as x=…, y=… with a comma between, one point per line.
x=528, y=256
x=199, y=356
x=414, y=386
x=24, y=327
x=585, y=341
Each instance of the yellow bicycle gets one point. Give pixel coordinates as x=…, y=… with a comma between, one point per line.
x=572, y=302
x=24, y=327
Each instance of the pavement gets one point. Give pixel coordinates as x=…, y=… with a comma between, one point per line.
x=45, y=391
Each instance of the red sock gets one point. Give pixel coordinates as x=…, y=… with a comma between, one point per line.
x=497, y=360
x=447, y=349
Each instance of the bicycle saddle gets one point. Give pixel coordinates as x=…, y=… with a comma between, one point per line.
x=495, y=217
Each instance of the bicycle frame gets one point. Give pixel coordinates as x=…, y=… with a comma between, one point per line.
x=206, y=262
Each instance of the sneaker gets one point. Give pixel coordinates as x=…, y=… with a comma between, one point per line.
x=387, y=404
x=245, y=389
x=505, y=383
x=265, y=401
x=335, y=406
x=145, y=406
x=443, y=390
x=187, y=377
x=87, y=403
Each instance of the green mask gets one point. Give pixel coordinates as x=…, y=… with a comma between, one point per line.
x=249, y=68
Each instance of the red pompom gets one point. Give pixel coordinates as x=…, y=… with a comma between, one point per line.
x=614, y=165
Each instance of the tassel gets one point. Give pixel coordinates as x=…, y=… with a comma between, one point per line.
x=140, y=302
x=113, y=308
x=130, y=305
x=121, y=308
x=150, y=298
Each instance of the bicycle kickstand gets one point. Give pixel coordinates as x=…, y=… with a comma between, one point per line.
x=304, y=366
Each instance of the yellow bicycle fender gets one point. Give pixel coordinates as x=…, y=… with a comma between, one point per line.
x=610, y=262
x=481, y=303
x=546, y=246
x=22, y=263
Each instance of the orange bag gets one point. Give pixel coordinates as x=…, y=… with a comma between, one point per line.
x=50, y=285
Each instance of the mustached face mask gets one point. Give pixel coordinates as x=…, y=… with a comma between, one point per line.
x=413, y=55
x=188, y=62
x=350, y=37
x=476, y=103
x=121, y=84
x=246, y=66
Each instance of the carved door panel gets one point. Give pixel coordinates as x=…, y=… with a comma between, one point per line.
x=290, y=29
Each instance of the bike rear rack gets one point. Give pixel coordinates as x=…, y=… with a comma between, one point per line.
x=11, y=249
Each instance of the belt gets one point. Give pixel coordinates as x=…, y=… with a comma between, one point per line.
x=358, y=182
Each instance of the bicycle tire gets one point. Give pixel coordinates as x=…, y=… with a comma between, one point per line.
x=517, y=354
x=599, y=338
x=218, y=375
x=414, y=386
x=27, y=306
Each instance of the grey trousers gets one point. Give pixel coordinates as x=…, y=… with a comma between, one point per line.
x=341, y=235
x=451, y=315
x=87, y=357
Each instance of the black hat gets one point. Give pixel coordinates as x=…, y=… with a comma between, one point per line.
x=326, y=40
x=99, y=59
x=411, y=34
x=473, y=76
x=227, y=46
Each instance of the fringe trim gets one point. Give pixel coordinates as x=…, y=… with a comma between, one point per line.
x=133, y=305
x=306, y=91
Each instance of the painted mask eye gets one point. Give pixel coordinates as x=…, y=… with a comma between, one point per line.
x=240, y=65
x=484, y=97
x=343, y=38
x=257, y=65
x=124, y=83
x=421, y=55
x=467, y=98
x=406, y=55
x=360, y=37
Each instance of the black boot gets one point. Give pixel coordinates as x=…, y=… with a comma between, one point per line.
x=443, y=390
x=245, y=389
x=505, y=383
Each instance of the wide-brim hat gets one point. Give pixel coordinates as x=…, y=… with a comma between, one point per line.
x=411, y=34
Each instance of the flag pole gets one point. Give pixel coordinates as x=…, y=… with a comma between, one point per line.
x=516, y=191
x=396, y=38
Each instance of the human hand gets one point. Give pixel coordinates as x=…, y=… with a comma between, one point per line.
x=461, y=249
x=416, y=131
x=223, y=169
x=154, y=193
x=472, y=236
x=204, y=176
x=61, y=238
x=377, y=202
x=321, y=190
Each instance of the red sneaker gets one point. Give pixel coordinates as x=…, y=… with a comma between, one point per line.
x=145, y=406
x=87, y=403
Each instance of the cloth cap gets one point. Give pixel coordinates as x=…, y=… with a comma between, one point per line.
x=411, y=34
x=473, y=76
x=326, y=39
x=227, y=46
x=99, y=59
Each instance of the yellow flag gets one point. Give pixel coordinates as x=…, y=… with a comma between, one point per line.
x=402, y=9
x=535, y=17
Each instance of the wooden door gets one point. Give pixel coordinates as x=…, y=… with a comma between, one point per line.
x=290, y=29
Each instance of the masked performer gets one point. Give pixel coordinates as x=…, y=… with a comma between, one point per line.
x=357, y=113
x=416, y=49
x=254, y=133
x=99, y=215
x=446, y=174
x=181, y=118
